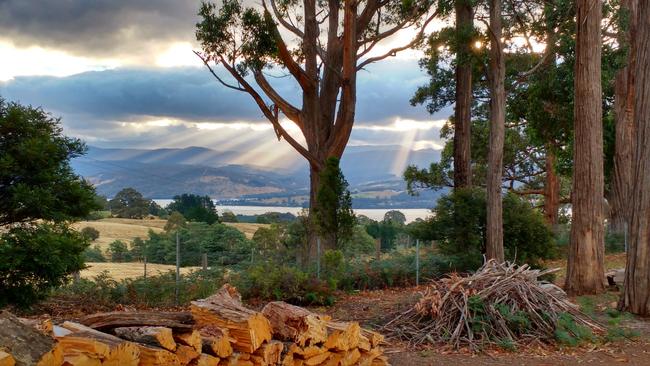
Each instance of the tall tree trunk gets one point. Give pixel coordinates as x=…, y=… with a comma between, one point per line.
x=624, y=113
x=585, y=272
x=551, y=190
x=636, y=294
x=463, y=111
x=494, y=244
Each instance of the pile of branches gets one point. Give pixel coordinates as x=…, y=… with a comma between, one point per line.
x=502, y=303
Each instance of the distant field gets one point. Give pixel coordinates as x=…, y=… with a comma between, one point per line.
x=246, y=228
x=120, y=229
x=120, y=271
x=128, y=229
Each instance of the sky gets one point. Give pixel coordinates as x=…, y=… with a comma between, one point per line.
x=121, y=73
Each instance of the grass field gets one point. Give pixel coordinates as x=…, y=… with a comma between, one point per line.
x=247, y=228
x=120, y=229
x=120, y=271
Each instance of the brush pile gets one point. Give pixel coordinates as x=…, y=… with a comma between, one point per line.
x=217, y=331
x=501, y=303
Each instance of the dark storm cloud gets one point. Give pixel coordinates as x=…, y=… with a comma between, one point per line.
x=97, y=27
x=192, y=94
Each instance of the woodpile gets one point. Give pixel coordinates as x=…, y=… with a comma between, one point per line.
x=217, y=331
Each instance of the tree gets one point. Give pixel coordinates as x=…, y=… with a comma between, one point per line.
x=90, y=233
x=175, y=221
x=585, y=268
x=334, y=216
x=463, y=108
x=636, y=294
x=39, y=195
x=130, y=204
x=624, y=114
x=395, y=216
x=94, y=254
x=335, y=40
x=228, y=216
x=496, y=76
x=119, y=252
x=195, y=208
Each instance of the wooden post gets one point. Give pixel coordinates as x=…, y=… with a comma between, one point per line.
x=178, y=266
x=417, y=262
x=318, y=257
x=204, y=261
x=144, y=258
x=378, y=249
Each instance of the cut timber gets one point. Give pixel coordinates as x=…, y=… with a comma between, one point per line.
x=118, y=319
x=380, y=361
x=343, y=335
x=216, y=341
x=237, y=359
x=374, y=337
x=186, y=354
x=293, y=323
x=306, y=352
x=81, y=360
x=43, y=325
x=75, y=339
x=151, y=355
x=192, y=339
x=351, y=357
x=27, y=345
x=269, y=354
x=6, y=359
x=224, y=309
x=367, y=357
x=334, y=360
x=318, y=359
x=154, y=336
x=205, y=360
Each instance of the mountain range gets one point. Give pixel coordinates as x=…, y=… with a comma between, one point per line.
x=164, y=173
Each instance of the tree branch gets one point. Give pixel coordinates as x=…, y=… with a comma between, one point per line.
x=205, y=62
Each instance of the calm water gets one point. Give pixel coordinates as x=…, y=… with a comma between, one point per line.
x=373, y=213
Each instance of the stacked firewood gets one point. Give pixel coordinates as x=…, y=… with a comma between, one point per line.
x=217, y=330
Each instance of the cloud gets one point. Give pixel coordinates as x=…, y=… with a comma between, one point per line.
x=99, y=28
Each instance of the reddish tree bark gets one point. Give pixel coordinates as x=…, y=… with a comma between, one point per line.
x=494, y=243
x=551, y=190
x=636, y=293
x=585, y=272
x=463, y=110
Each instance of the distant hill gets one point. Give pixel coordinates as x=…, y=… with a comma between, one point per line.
x=163, y=173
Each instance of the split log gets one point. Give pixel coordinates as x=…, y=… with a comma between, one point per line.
x=119, y=319
x=368, y=356
x=80, y=339
x=318, y=359
x=81, y=360
x=375, y=338
x=192, y=339
x=154, y=336
x=380, y=361
x=216, y=341
x=343, y=335
x=334, y=360
x=6, y=359
x=237, y=359
x=206, y=360
x=269, y=354
x=186, y=354
x=43, y=325
x=296, y=324
x=350, y=357
x=27, y=345
x=153, y=356
x=224, y=309
x=306, y=352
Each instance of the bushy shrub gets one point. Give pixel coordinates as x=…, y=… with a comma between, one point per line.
x=154, y=291
x=90, y=233
x=94, y=254
x=36, y=259
x=459, y=228
x=272, y=281
x=119, y=252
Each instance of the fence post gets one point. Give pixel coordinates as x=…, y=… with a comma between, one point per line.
x=178, y=267
x=144, y=258
x=417, y=262
x=318, y=257
x=378, y=249
x=204, y=261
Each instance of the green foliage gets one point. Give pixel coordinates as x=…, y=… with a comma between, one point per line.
x=386, y=231
x=569, y=333
x=333, y=214
x=359, y=243
x=94, y=254
x=156, y=210
x=37, y=258
x=36, y=180
x=195, y=208
x=228, y=216
x=458, y=227
x=395, y=217
x=119, y=252
x=154, y=291
x=175, y=221
x=90, y=233
x=129, y=203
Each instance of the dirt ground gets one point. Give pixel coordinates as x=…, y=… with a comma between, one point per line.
x=372, y=308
